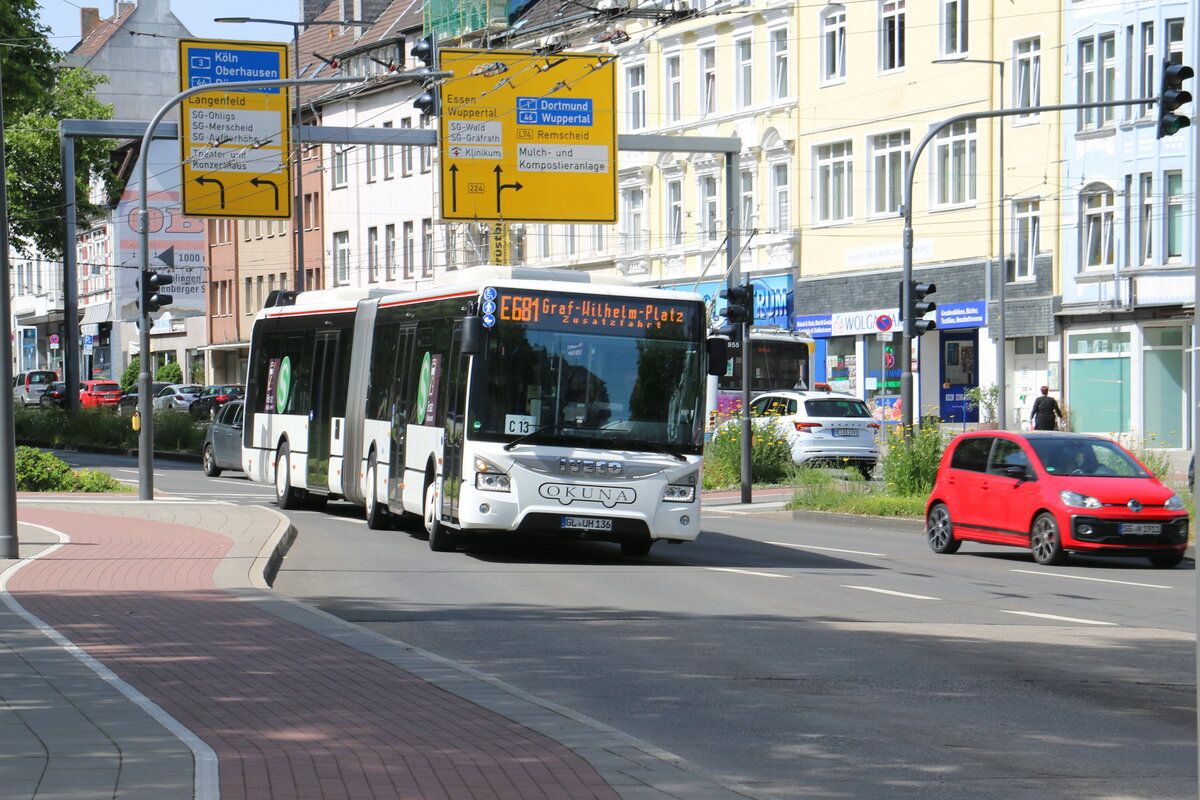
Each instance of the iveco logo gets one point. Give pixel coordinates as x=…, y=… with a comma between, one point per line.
x=567, y=493
x=1134, y=505
x=589, y=466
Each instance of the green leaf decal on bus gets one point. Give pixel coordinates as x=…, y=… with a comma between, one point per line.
x=423, y=385
x=283, y=386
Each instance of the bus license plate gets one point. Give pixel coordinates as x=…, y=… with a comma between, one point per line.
x=842, y=432
x=1141, y=528
x=587, y=523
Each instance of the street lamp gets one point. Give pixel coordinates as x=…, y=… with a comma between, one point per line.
x=298, y=193
x=1001, y=367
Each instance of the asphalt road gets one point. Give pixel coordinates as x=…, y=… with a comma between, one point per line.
x=798, y=658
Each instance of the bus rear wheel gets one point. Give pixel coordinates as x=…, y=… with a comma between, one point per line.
x=441, y=539
x=285, y=495
x=378, y=518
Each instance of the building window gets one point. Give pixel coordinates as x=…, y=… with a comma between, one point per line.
x=427, y=248
x=833, y=45
x=1097, y=230
x=1145, y=218
x=747, y=220
x=780, y=198
x=544, y=241
x=1146, y=84
x=954, y=27
x=674, y=212
x=373, y=254
x=1027, y=84
x=835, y=170
x=779, y=64
x=743, y=74
x=341, y=257
x=1097, y=78
x=891, y=35
x=708, y=202
x=409, y=250
x=889, y=155
x=955, y=164
x=635, y=96
x=406, y=151
x=572, y=240
x=339, y=167
x=389, y=158
x=1173, y=242
x=425, y=153
x=674, y=95
x=633, y=233
x=708, y=81
x=371, y=164
x=1027, y=225
x=389, y=252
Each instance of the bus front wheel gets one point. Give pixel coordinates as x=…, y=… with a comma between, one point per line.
x=285, y=495
x=441, y=539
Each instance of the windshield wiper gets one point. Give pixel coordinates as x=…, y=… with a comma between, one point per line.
x=662, y=448
x=552, y=426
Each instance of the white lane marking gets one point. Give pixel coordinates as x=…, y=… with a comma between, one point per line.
x=746, y=572
x=827, y=549
x=756, y=508
x=889, y=591
x=206, y=783
x=1055, y=617
x=1087, y=578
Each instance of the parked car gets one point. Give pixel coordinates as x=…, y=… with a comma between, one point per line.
x=55, y=395
x=129, y=401
x=177, y=396
x=99, y=394
x=1055, y=493
x=212, y=398
x=29, y=386
x=223, y=442
x=823, y=427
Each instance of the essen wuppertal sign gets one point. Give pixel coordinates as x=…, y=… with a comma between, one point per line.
x=528, y=138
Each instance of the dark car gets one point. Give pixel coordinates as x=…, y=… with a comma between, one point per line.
x=223, y=442
x=1055, y=493
x=212, y=398
x=129, y=401
x=55, y=395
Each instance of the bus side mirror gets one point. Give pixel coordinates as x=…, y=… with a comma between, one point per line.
x=718, y=355
x=472, y=335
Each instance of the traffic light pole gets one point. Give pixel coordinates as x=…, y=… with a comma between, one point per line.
x=906, y=340
x=145, y=405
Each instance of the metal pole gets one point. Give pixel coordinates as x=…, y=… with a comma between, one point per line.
x=298, y=211
x=66, y=145
x=1002, y=354
x=8, y=435
x=731, y=261
x=145, y=407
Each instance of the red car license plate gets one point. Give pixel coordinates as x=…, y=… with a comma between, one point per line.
x=1141, y=528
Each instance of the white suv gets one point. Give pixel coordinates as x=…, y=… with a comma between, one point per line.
x=823, y=427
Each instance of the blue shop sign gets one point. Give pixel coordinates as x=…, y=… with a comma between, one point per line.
x=818, y=326
x=962, y=315
x=772, y=300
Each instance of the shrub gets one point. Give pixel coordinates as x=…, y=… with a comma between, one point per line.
x=53, y=427
x=770, y=455
x=129, y=377
x=910, y=460
x=39, y=471
x=170, y=372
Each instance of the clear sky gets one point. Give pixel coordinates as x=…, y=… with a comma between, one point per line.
x=62, y=17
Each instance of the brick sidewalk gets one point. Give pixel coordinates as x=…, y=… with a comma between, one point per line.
x=293, y=704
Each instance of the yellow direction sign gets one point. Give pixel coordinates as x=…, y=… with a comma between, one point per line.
x=527, y=138
x=234, y=144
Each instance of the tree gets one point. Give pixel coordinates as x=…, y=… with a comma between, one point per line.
x=37, y=94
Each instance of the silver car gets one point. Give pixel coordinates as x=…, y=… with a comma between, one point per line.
x=178, y=396
x=826, y=428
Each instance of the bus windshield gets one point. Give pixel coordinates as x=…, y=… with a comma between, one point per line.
x=551, y=380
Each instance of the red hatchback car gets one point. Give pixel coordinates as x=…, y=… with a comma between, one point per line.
x=1055, y=493
x=97, y=394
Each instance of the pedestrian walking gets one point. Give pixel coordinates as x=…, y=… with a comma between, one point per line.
x=1046, y=413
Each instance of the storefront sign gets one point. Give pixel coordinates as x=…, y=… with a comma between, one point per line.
x=852, y=323
x=962, y=315
x=818, y=326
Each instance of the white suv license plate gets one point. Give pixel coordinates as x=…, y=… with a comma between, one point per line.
x=587, y=523
x=1141, y=528
x=844, y=432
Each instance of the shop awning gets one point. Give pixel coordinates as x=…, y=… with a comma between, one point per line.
x=98, y=312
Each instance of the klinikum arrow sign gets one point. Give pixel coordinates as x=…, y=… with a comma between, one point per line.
x=527, y=138
x=235, y=145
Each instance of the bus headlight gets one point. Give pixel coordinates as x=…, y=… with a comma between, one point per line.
x=676, y=493
x=490, y=478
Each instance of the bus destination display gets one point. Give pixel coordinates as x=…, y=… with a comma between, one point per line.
x=574, y=312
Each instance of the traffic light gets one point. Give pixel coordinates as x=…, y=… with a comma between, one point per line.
x=152, y=298
x=1171, y=97
x=919, y=307
x=739, y=303
x=429, y=101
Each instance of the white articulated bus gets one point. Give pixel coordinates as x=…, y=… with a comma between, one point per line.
x=507, y=400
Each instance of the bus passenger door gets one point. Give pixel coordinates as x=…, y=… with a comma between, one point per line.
x=401, y=396
x=452, y=466
x=324, y=379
